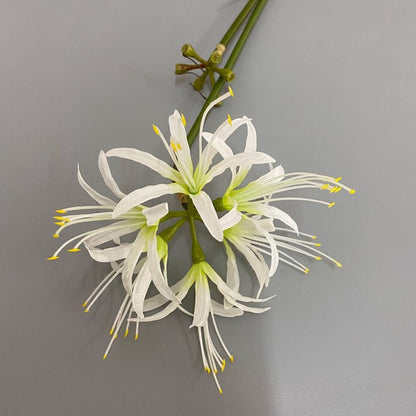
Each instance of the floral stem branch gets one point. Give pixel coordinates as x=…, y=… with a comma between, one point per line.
x=238, y=22
x=229, y=65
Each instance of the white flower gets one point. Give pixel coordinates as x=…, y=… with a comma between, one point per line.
x=200, y=275
x=185, y=178
x=136, y=275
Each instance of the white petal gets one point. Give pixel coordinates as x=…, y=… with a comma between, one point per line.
x=202, y=301
x=140, y=288
x=137, y=248
x=230, y=219
x=101, y=199
x=154, y=214
x=274, y=253
x=107, y=176
x=249, y=308
x=109, y=254
x=156, y=272
x=206, y=210
x=139, y=196
x=273, y=212
x=233, y=276
x=111, y=234
x=225, y=290
x=240, y=159
x=219, y=310
x=257, y=263
x=146, y=159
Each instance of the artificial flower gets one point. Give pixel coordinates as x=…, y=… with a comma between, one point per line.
x=185, y=179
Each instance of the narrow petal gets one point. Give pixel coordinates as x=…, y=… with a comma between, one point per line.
x=146, y=159
x=233, y=276
x=135, y=252
x=155, y=213
x=107, y=176
x=230, y=219
x=272, y=212
x=206, y=210
x=101, y=199
x=122, y=228
x=240, y=159
x=140, y=288
x=202, y=301
x=139, y=196
x=225, y=290
x=219, y=310
x=274, y=252
x=109, y=254
x=156, y=272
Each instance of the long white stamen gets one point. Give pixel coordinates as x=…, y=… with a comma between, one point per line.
x=103, y=282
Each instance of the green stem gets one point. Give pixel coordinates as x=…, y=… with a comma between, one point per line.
x=197, y=253
x=193, y=132
x=237, y=22
x=173, y=214
x=169, y=232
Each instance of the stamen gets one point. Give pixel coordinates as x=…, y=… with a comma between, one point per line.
x=352, y=191
x=306, y=271
x=55, y=236
x=338, y=179
x=230, y=90
x=53, y=258
x=325, y=186
x=156, y=130
x=60, y=211
x=183, y=120
x=74, y=250
x=331, y=204
x=229, y=119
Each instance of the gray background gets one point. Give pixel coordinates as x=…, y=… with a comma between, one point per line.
x=331, y=87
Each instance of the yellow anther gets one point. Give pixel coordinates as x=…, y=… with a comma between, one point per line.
x=318, y=244
x=55, y=236
x=126, y=333
x=60, y=223
x=223, y=365
x=338, y=179
x=230, y=122
x=306, y=271
x=61, y=219
x=314, y=237
x=215, y=371
x=53, y=258
x=156, y=130
x=60, y=211
x=136, y=337
x=183, y=120
x=325, y=186
x=230, y=90
x=232, y=358
x=220, y=390
x=331, y=204
x=338, y=263
x=352, y=191
x=87, y=310
x=207, y=369
x=111, y=331
x=115, y=336
x=84, y=304
x=175, y=146
x=318, y=258
x=104, y=356
x=74, y=250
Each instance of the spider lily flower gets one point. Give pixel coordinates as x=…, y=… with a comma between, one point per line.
x=200, y=275
x=185, y=178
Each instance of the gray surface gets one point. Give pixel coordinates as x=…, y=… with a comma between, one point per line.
x=331, y=87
